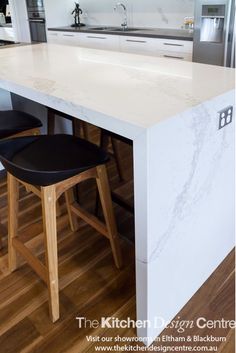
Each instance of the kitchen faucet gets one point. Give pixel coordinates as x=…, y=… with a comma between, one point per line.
x=124, y=25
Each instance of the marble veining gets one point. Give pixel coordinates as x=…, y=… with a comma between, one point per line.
x=194, y=187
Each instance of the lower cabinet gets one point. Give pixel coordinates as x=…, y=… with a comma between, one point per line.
x=166, y=48
x=7, y=33
x=99, y=41
x=65, y=38
x=176, y=49
x=137, y=45
x=88, y=40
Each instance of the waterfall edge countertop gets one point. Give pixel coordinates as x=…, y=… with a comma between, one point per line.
x=183, y=161
x=140, y=91
x=177, y=34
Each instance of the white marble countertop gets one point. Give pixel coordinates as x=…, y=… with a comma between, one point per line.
x=140, y=91
x=167, y=33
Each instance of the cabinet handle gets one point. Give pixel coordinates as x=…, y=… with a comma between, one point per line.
x=174, y=57
x=94, y=37
x=136, y=41
x=68, y=35
x=174, y=44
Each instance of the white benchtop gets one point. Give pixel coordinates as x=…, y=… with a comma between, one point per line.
x=138, y=90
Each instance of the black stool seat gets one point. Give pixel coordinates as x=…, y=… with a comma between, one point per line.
x=13, y=122
x=47, y=159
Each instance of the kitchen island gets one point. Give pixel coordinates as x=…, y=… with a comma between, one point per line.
x=183, y=156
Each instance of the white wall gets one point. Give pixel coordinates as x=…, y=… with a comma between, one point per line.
x=142, y=13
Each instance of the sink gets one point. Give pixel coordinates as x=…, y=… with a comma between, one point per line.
x=114, y=29
x=125, y=29
x=100, y=28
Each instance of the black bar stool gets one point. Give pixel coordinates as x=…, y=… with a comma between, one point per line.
x=106, y=137
x=104, y=143
x=79, y=127
x=14, y=123
x=50, y=165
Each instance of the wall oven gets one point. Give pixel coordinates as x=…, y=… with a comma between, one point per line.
x=37, y=21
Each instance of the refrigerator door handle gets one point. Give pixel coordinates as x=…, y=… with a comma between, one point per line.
x=232, y=56
x=227, y=33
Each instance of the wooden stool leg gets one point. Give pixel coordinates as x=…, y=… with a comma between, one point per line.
x=105, y=197
x=85, y=130
x=58, y=209
x=116, y=150
x=104, y=141
x=50, y=234
x=13, y=204
x=70, y=198
x=76, y=124
x=51, y=122
x=104, y=144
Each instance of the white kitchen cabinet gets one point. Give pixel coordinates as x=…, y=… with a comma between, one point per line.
x=176, y=49
x=137, y=45
x=99, y=41
x=166, y=48
x=66, y=38
x=174, y=45
x=7, y=33
x=88, y=40
x=53, y=37
x=69, y=38
x=175, y=55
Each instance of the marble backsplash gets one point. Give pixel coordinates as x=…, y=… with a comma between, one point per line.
x=141, y=13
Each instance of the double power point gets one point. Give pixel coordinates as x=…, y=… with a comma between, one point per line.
x=225, y=117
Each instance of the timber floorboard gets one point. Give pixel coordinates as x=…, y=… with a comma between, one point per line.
x=90, y=284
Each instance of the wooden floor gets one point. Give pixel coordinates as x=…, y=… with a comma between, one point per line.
x=90, y=285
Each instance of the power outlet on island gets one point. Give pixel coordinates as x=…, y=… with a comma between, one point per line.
x=225, y=117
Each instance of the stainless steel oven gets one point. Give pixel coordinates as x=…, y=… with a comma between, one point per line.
x=37, y=22
x=35, y=5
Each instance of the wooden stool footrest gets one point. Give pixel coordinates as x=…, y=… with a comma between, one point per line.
x=37, y=265
x=90, y=219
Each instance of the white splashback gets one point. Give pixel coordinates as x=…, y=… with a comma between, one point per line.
x=141, y=13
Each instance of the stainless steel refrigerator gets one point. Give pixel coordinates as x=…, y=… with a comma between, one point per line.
x=214, y=32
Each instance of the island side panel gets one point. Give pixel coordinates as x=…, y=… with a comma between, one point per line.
x=5, y=104
x=190, y=202
x=5, y=100
x=140, y=154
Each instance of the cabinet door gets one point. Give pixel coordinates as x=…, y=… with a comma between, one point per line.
x=65, y=38
x=69, y=38
x=53, y=37
x=175, y=49
x=176, y=46
x=175, y=55
x=137, y=45
x=7, y=33
x=99, y=41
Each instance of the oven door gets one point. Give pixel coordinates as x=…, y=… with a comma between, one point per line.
x=37, y=30
x=35, y=4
